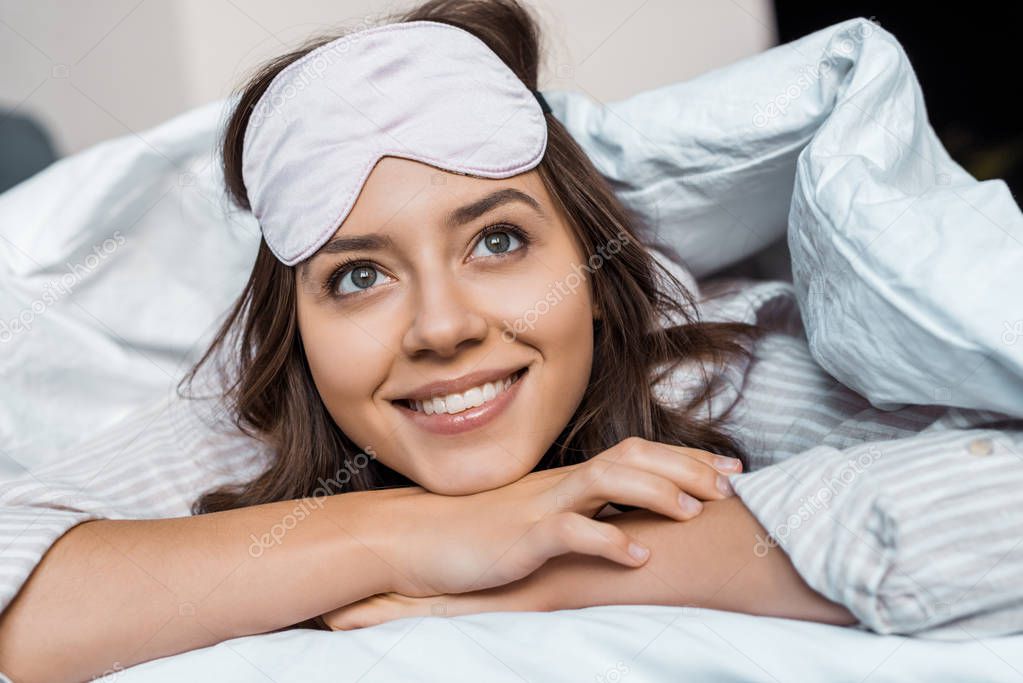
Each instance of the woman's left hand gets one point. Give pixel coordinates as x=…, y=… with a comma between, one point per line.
x=377, y=609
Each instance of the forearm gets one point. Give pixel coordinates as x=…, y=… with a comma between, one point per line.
x=114, y=593
x=708, y=561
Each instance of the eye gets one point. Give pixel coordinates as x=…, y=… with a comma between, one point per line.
x=352, y=279
x=356, y=277
x=498, y=240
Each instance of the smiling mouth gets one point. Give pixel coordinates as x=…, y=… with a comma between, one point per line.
x=452, y=404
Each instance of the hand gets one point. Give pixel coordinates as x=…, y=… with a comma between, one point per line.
x=530, y=594
x=459, y=544
x=378, y=609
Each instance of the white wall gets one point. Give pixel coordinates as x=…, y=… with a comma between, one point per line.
x=107, y=68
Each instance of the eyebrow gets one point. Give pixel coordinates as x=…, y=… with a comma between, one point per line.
x=457, y=217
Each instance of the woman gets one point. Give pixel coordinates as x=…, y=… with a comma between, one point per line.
x=399, y=419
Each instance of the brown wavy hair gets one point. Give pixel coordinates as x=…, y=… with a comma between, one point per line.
x=269, y=387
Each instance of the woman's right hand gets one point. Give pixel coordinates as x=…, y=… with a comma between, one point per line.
x=456, y=544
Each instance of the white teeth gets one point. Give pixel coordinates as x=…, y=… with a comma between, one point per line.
x=474, y=397
x=456, y=403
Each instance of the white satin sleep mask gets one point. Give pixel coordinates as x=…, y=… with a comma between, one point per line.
x=420, y=90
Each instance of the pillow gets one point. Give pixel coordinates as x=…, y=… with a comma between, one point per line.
x=115, y=265
x=908, y=271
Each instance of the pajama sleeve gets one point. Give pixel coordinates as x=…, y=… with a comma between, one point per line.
x=910, y=518
x=921, y=535
x=153, y=464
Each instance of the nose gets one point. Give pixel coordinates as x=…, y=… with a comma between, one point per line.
x=446, y=317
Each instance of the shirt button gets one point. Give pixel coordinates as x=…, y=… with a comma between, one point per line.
x=980, y=446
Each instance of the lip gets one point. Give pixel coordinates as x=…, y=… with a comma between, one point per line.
x=467, y=420
x=457, y=386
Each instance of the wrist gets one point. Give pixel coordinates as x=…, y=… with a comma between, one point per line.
x=361, y=526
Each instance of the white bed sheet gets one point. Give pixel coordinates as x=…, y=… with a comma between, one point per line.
x=623, y=643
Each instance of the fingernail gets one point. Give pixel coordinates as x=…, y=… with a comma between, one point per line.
x=689, y=505
x=725, y=486
x=638, y=551
x=726, y=463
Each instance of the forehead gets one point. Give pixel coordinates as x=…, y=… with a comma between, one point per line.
x=398, y=188
x=400, y=195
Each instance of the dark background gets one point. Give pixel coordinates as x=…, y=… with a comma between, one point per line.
x=968, y=59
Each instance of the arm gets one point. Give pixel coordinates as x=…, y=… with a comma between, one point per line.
x=711, y=561
x=714, y=560
x=102, y=566
x=919, y=535
x=113, y=593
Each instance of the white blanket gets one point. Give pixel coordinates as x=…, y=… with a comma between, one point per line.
x=612, y=644
x=909, y=271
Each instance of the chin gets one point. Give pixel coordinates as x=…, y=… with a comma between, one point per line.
x=464, y=483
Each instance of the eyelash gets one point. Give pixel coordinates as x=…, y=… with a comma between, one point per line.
x=342, y=269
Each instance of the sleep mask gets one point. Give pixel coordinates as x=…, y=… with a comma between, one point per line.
x=420, y=90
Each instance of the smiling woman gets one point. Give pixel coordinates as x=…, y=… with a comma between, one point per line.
x=473, y=308
x=423, y=292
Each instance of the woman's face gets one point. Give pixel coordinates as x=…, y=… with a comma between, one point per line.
x=435, y=277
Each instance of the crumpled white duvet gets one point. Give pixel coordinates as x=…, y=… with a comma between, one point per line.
x=909, y=272
x=116, y=263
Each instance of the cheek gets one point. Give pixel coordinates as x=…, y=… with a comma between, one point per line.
x=550, y=309
x=563, y=331
x=347, y=363
x=550, y=296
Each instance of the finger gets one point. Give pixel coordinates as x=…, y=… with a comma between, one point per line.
x=571, y=532
x=674, y=491
x=692, y=474
x=634, y=486
x=338, y=620
x=721, y=463
x=633, y=444
x=369, y=611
